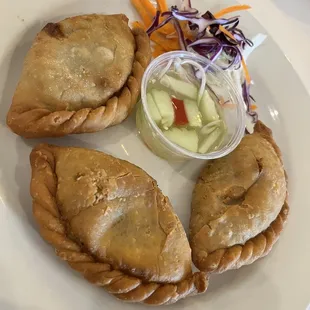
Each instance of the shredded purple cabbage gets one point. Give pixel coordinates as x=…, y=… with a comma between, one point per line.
x=208, y=35
x=209, y=41
x=180, y=34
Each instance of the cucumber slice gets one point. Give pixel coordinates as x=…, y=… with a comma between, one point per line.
x=207, y=108
x=209, y=141
x=180, y=87
x=192, y=113
x=164, y=104
x=155, y=115
x=188, y=139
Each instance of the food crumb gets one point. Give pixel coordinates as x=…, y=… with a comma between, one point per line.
x=21, y=19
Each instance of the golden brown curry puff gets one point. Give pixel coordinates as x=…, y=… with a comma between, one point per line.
x=109, y=220
x=239, y=205
x=81, y=74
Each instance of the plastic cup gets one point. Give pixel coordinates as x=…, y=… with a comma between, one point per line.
x=222, y=86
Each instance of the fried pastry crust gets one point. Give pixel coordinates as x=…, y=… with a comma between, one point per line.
x=239, y=205
x=82, y=74
x=109, y=220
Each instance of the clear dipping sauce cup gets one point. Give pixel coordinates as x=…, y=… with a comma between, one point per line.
x=222, y=87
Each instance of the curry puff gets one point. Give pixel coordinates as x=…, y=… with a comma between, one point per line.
x=239, y=205
x=109, y=220
x=82, y=74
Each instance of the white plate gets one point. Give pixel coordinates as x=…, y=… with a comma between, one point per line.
x=33, y=278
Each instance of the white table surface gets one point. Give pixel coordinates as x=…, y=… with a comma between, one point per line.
x=288, y=22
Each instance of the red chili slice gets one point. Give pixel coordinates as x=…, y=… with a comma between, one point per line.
x=179, y=112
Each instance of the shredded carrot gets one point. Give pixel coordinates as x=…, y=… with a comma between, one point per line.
x=170, y=31
x=166, y=44
x=163, y=38
x=172, y=35
x=162, y=5
x=253, y=107
x=246, y=71
x=229, y=34
x=245, y=68
x=147, y=12
x=229, y=105
x=185, y=28
x=158, y=50
x=137, y=24
x=167, y=29
x=146, y=17
x=149, y=7
x=232, y=9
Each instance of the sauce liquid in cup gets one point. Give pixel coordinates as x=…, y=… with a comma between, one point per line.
x=188, y=111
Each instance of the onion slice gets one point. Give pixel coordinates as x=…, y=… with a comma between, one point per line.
x=166, y=69
x=207, y=129
x=203, y=76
